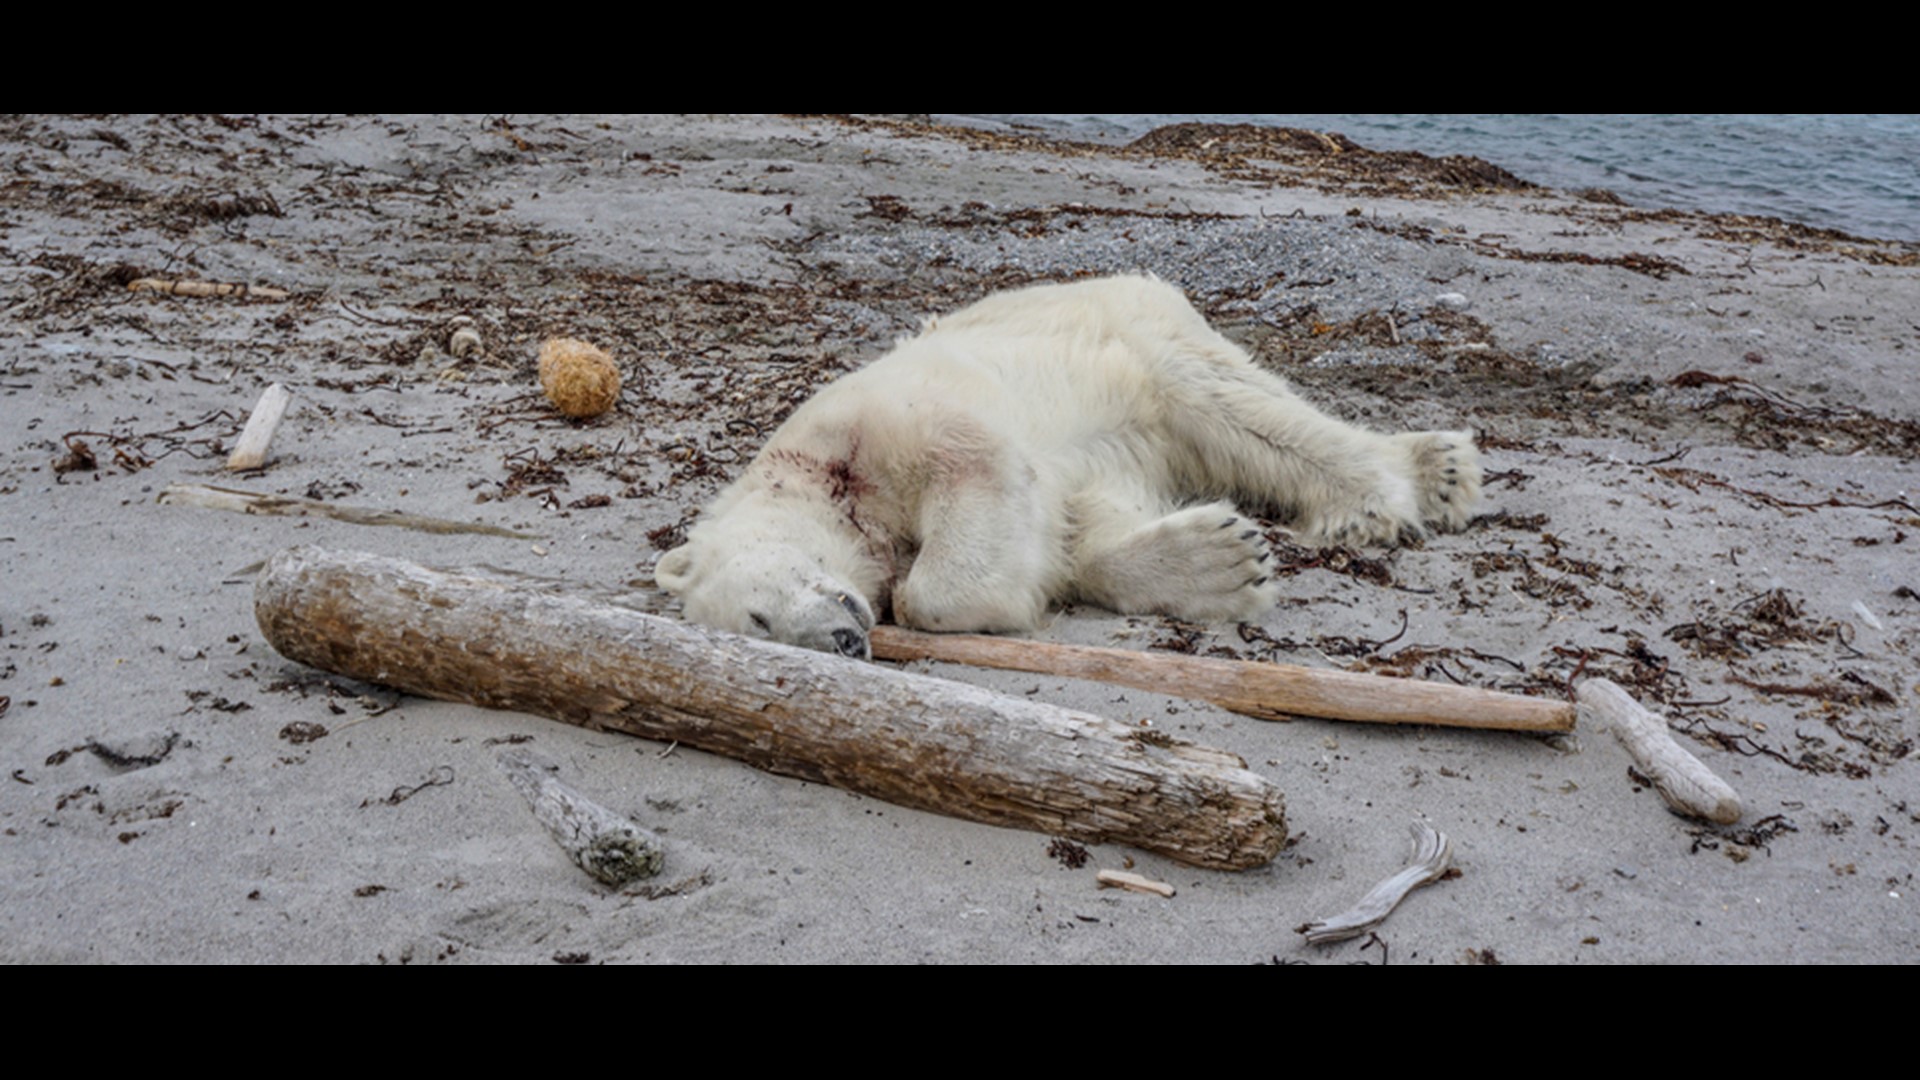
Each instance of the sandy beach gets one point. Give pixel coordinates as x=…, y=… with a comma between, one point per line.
x=1702, y=437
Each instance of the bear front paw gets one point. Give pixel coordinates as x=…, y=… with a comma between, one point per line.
x=1205, y=563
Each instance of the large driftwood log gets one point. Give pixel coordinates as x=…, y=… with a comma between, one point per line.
x=482, y=637
x=1264, y=691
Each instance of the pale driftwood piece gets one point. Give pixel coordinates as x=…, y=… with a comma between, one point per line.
x=481, y=637
x=1432, y=854
x=610, y=848
x=208, y=497
x=251, y=451
x=1260, y=690
x=1132, y=882
x=1680, y=778
x=1866, y=616
x=184, y=287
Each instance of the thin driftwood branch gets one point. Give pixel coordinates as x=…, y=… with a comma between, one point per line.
x=251, y=451
x=1261, y=690
x=1432, y=854
x=1680, y=778
x=606, y=845
x=186, y=287
x=208, y=497
x=483, y=637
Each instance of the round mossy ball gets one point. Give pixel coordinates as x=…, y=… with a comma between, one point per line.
x=578, y=378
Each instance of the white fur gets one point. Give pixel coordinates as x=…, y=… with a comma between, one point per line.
x=1061, y=442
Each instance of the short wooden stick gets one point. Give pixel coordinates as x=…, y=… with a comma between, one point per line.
x=1261, y=690
x=1132, y=882
x=251, y=451
x=1687, y=784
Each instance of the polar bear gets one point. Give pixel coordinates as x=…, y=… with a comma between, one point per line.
x=1055, y=443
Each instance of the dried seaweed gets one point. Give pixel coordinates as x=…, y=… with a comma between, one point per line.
x=530, y=474
x=200, y=206
x=303, y=731
x=1646, y=673
x=134, y=451
x=1507, y=519
x=1764, y=621
x=1852, y=689
x=1760, y=834
x=1291, y=558
x=1531, y=581
x=1252, y=152
x=1694, y=480
x=1768, y=419
x=1751, y=230
x=440, y=776
x=1067, y=853
x=1639, y=262
x=1268, y=155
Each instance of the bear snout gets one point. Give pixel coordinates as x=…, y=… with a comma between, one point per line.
x=852, y=643
x=842, y=640
x=830, y=622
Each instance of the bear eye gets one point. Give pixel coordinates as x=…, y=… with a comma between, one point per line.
x=853, y=608
x=760, y=621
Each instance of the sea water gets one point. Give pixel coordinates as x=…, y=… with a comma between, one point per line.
x=1856, y=173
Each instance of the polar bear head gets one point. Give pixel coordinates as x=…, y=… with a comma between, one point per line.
x=767, y=589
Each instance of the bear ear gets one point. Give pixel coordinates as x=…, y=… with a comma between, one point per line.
x=674, y=570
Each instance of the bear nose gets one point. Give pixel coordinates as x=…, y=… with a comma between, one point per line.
x=850, y=643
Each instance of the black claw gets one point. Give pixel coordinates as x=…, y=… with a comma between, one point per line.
x=1444, y=497
x=1250, y=534
x=1264, y=556
x=1228, y=524
x=1259, y=581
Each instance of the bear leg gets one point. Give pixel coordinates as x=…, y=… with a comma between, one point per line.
x=1248, y=433
x=988, y=555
